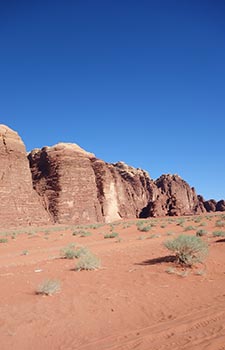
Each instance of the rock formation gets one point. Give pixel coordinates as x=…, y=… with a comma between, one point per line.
x=78, y=188
x=19, y=203
x=174, y=197
x=220, y=205
x=210, y=205
x=70, y=185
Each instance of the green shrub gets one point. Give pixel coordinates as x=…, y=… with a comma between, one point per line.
x=72, y=252
x=220, y=223
x=111, y=235
x=163, y=225
x=144, y=228
x=201, y=233
x=198, y=219
x=189, y=228
x=218, y=234
x=188, y=249
x=3, y=240
x=85, y=234
x=88, y=262
x=180, y=221
x=48, y=287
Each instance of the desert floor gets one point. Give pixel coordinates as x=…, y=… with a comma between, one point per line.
x=139, y=298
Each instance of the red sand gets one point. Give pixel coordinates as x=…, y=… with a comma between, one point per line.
x=130, y=303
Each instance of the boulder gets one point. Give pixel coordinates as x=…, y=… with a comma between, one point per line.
x=210, y=205
x=220, y=206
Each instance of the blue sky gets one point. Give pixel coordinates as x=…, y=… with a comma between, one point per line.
x=137, y=81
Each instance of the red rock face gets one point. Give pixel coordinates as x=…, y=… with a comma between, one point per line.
x=122, y=190
x=220, y=206
x=78, y=188
x=210, y=205
x=64, y=178
x=73, y=186
x=19, y=203
x=174, y=197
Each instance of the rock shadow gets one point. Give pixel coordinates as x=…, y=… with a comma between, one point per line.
x=222, y=240
x=163, y=259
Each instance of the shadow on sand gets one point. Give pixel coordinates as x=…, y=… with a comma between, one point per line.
x=163, y=259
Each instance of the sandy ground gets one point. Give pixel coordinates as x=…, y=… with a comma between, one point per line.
x=131, y=302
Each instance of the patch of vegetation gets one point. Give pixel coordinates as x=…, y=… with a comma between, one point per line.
x=88, y=262
x=25, y=252
x=220, y=223
x=48, y=287
x=111, y=235
x=171, y=270
x=200, y=272
x=141, y=238
x=73, y=252
x=163, y=225
x=170, y=233
x=201, y=233
x=198, y=219
x=85, y=234
x=81, y=233
x=218, y=234
x=202, y=224
x=3, y=240
x=144, y=228
x=188, y=249
x=181, y=221
x=189, y=228
x=154, y=235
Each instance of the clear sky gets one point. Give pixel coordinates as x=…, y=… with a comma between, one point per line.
x=139, y=81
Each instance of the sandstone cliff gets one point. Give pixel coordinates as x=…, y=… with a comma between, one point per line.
x=19, y=203
x=77, y=187
x=70, y=185
x=174, y=197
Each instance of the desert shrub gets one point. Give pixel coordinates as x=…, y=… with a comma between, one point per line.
x=202, y=224
x=88, y=262
x=189, y=228
x=141, y=238
x=85, y=234
x=48, y=287
x=220, y=223
x=180, y=221
x=169, y=233
x=218, y=234
x=188, y=249
x=163, y=225
x=111, y=235
x=3, y=240
x=144, y=228
x=201, y=233
x=72, y=252
x=81, y=233
x=198, y=219
x=69, y=253
x=25, y=252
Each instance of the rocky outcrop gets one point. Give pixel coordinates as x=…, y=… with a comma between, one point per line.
x=122, y=190
x=174, y=197
x=19, y=203
x=70, y=185
x=77, y=187
x=63, y=176
x=220, y=205
x=210, y=205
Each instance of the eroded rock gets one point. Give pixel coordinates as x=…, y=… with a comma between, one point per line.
x=19, y=203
